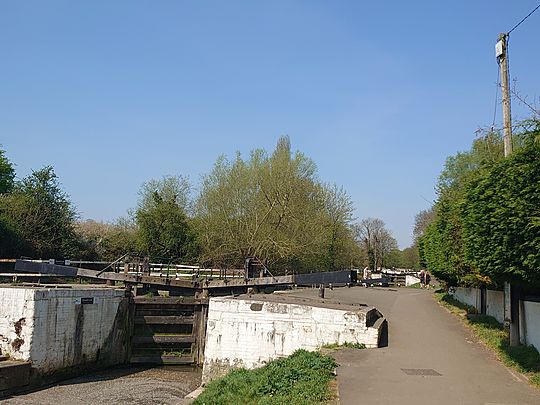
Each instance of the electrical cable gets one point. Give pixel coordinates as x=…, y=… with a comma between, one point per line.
x=524, y=18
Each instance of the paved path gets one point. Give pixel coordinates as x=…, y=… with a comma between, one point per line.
x=422, y=335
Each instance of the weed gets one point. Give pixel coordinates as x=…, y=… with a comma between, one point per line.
x=178, y=353
x=349, y=345
x=301, y=378
x=454, y=305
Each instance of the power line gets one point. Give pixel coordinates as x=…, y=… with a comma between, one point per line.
x=524, y=18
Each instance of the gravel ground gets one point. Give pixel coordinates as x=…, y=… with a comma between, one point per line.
x=126, y=385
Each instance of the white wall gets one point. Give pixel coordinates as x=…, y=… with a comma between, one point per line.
x=17, y=309
x=495, y=304
x=58, y=331
x=494, y=300
x=248, y=332
x=411, y=280
x=469, y=296
x=530, y=323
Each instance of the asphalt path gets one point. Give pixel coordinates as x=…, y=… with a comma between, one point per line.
x=431, y=358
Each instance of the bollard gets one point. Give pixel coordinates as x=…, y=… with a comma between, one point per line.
x=321, y=291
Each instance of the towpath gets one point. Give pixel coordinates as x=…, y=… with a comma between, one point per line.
x=422, y=336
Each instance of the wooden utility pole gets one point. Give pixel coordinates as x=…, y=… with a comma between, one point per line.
x=511, y=291
x=502, y=59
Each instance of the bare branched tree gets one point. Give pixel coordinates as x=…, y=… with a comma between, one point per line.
x=372, y=235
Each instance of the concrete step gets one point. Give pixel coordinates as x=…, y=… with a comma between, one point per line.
x=164, y=320
x=162, y=339
x=13, y=374
x=156, y=359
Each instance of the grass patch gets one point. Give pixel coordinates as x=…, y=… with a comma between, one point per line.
x=349, y=345
x=454, y=305
x=302, y=378
x=415, y=285
x=524, y=359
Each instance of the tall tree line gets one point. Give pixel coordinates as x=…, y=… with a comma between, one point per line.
x=485, y=226
x=269, y=205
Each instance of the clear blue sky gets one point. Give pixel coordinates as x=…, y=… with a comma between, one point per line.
x=113, y=93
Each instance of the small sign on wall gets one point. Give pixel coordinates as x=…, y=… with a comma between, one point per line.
x=85, y=300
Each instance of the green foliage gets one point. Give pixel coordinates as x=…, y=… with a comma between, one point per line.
x=501, y=234
x=441, y=244
x=11, y=242
x=39, y=217
x=349, y=345
x=486, y=227
x=454, y=305
x=163, y=230
x=169, y=188
x=273, y=207
x=403, y=259
x=301, y=378
x=104, y=241
x=7, y=173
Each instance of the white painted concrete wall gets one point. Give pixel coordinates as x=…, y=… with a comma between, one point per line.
x=469, y=296
x=530, y=323
x=248, y=332
x=58, y=331
x=17, y=308
x=494, y=300
x=411, y=280
x=495, y=304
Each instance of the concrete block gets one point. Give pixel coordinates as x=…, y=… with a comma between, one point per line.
x=53, y=329
x=529, y=323
x=469, y=296
x=248, y=331
x=13, y=375
x=495, y=304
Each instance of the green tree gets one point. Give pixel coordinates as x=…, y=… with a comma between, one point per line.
x=106, y=241
x=10, y=240
x=421, y=221
x=273, y=207
x=484, y=229
x=163, y=230
x=41, y=215
x=170, y=188
x=339, y=215
x=502, y=205
x=7, y=173
x=441, y=246
x=404, y=259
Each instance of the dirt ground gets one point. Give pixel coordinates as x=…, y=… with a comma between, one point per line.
x=122, y=385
